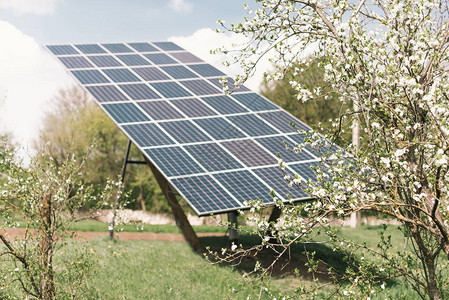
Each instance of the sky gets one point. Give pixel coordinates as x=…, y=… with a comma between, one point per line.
x=30, y=77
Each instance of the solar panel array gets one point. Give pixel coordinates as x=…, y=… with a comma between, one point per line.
x=216, y=150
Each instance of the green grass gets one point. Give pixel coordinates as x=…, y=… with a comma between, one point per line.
x=170, y=270
x=153, y=270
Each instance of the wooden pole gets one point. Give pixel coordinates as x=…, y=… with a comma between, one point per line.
x=180, y=216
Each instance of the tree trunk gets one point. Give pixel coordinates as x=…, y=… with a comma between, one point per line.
x=46, y=250
x=432, y=285
x=142, y=199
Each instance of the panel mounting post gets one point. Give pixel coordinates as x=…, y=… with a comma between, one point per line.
x=233, y=227
x=122, y=179
x=273, y=219
x=180, y=216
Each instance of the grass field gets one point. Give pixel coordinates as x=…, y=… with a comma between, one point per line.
x=170, y=270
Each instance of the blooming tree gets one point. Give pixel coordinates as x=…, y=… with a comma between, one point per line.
x=389, y=58
x=46, y=197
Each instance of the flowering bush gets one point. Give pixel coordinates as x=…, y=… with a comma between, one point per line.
x=46, y=198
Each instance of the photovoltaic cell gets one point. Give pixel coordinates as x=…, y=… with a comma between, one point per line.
x=179, y=72
x=244, y=186
x=224, y=105
x=206, y=70
x=150, y=74
x=185, y=57
x=219, y=128
x=170, y=89
x=90, y=76
x=204, y=194
x=160, y=110
x=90, y=48
x=106, y=93
x=230, y=84
x=184, y=131
x=121, y=75
x=252, y=125
x=143, y=47
x=160, y=59
x=104, y=61
x=62, y=50
x=200, y=87
x=133, y=60
x=146, y=135
x=75, y=62
x=213, y=157
x=125, y=113
x=117, y=48
x=174, y=161
x=305, y=170
x=275, y=145
x=168, y=46
x=275, y=179
x=249, y=153
x=193, y=107
x=317, y=150
x=139, y=91
x=281, y=120
x=254, y=102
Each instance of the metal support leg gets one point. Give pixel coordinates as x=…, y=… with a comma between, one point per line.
x=122, y=178
x=233, y=228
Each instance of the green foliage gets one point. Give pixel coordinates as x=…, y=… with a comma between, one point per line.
x=76, y=122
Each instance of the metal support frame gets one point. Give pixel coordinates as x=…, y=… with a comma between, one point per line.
x=126, y=161
x=180, y=217
x=233, y=227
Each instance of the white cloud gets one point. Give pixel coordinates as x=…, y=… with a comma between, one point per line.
x=204, y=40
x=180, y=5
x=37, y=7
x=29, y=77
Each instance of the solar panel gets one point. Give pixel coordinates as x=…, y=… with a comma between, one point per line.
x=277, y=144
x=104, y=61
x=125, y=113
x=106, y=93
x=224, y=105
x=179, y=72
x=139, y=91
x=75, y=62
x=193, y=107
x=185, y=132
x=147, y=135
x=117, y=48
x=216, y=150
x=250, y=153
x=160, y=110
x=151, y=74
x=133, y=60
x=213, y=157
x=245, y=186
x=252, y=125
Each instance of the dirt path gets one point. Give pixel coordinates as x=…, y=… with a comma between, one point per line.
x=124, y=236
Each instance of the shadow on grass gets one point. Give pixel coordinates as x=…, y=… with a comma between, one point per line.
x=293, y=262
